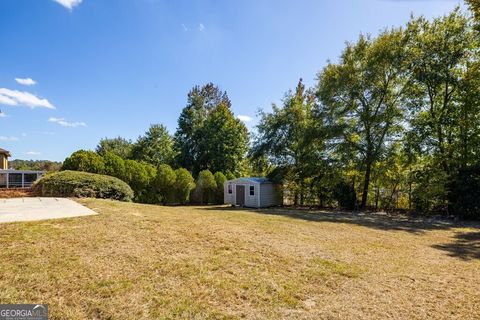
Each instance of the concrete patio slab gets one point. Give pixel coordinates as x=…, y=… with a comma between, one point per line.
x=32, y=209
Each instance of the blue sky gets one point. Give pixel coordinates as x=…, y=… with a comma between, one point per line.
x=74, y=71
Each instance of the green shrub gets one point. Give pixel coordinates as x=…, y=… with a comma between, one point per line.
x=345, y=195
x=163, y=184
x=139, y=176
x=114, y=165
x=205, y=188
x=87, y=161
x=464, y=196
x=184, y=184
x=83, y=184
x=219, y=180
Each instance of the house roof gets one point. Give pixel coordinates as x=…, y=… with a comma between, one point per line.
x=3, y=151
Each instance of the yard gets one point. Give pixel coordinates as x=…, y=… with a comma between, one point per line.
x=136, y=261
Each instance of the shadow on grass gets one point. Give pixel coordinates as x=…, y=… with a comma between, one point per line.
x=381, y=221
x=466, y=246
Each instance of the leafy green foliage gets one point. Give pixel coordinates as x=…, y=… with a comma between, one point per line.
x=465, y=195
x=290, y=140
x=83, y=184
x=36, y=165
x=114, y=165
x=362, y=97
x=208, y=134
x=87, y=161
x=164, y=183
x=139, y=176
x=155, y=147
x=205, y=187
x=344, y=194
x=118, y=146
x=184, y=184
x=219, y=181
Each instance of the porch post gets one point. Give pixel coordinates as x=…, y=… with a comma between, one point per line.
x=23, y=180
x=7, y=179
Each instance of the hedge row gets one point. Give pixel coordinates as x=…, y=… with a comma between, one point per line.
x=83, y=184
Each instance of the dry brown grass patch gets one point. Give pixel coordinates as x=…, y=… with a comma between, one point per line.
x=145, y=262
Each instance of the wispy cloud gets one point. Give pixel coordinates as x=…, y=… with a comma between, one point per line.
x=244, y=118
x=5, y=138
x=2, y=115
x=33, y=153
x=23, y=98
x=26, y=81
x=184, y=27
x=201, y=27
x=69, y=4
x=64, y=123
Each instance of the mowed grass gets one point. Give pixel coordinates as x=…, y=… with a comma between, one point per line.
x=137, y=261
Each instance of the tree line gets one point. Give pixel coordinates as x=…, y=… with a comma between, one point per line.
x=160, y=168
x=393, y=124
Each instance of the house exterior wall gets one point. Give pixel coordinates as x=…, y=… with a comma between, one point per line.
x=3, y=162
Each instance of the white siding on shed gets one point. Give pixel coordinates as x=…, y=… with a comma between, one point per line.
x=269, y=195
x=265, y=193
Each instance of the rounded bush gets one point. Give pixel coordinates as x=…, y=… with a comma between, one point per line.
x=83, y=184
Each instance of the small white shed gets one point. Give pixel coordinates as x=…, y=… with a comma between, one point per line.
x=252, y=192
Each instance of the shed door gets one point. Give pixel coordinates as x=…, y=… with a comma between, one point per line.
x=240, y=198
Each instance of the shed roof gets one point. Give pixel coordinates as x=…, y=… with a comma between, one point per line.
x=254, y=179
x=3, y=151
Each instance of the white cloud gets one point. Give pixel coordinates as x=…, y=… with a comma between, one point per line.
x=69, y=4
x=33, y=153
x=23, y=98
x=184, y=27
x=201, y=27
x=2, y=115
x=244, y=118
x=63, y=123
x=5, y=138
x=26, y=81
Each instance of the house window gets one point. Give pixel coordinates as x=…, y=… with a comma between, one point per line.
x=230, y=189
x=252, y=190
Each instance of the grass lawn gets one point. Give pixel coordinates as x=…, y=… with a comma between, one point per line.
x=146, y=262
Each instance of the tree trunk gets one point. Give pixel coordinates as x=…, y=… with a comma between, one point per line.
x=366, y=185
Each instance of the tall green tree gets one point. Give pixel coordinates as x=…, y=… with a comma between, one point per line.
x=223, y=144
x=475, y=8
x=439, y=52
x=119, y=146
x=208, y=135
x=287, y=139
x=155, y=147
x=362, y=95
x=200, y=101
